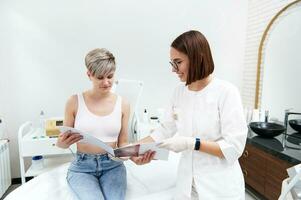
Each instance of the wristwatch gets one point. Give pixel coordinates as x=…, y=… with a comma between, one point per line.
x=197, y=144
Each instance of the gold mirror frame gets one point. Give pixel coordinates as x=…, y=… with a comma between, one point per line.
x=262, y=41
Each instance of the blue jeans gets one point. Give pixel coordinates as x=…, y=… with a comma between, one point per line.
x=97, y=177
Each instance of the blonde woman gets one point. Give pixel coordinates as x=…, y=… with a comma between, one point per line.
x=103, y=114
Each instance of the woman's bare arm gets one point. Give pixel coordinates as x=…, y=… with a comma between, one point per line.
x=123, y=135
x=67, y=139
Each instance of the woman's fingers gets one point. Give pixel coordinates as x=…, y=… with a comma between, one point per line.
x=149, y=156
x=152, y=155
x=137, y=160
x=73, y=138
x=68, y=138
x=65, y=135
x=146, y=158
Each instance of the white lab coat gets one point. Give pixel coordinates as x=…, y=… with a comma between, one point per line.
x=214, y=114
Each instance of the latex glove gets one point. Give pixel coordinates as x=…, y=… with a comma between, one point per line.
x=178, y=144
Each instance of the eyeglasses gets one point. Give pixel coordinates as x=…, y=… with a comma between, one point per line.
x=174, y=65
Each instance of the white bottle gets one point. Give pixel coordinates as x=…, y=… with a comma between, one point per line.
x=145, y=116
x=42, y=123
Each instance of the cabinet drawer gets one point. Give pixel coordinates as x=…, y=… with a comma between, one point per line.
x=254, y=158
x=43, y=147
x=276, y=168
x=272, y=188
x=254, y=178
x=253, y=164
x=276, y=173
x=263, y=172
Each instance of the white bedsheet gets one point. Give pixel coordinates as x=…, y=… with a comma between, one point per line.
x=147, y=182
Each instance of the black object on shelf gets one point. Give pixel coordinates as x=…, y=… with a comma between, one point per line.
x=267, y=129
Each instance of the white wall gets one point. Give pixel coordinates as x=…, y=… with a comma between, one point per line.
x=43, y=44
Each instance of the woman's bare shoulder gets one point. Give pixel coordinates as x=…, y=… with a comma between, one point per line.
x=125, y=105
x=72, y=102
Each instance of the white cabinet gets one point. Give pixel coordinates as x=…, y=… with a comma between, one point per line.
x=33, y=143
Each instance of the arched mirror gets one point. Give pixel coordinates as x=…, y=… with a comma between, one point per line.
x=279, y=63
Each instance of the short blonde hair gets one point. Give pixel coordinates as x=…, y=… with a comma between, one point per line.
x=100, y=62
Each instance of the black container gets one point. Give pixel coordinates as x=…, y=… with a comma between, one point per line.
x=267, y=129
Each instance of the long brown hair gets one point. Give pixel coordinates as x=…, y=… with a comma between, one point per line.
x=195, y=45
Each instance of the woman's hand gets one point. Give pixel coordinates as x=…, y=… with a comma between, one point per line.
x=66, y=139
x=146, y=158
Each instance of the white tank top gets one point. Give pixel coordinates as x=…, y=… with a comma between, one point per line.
x=106, y=128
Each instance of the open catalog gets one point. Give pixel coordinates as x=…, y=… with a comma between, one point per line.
x=126, y=151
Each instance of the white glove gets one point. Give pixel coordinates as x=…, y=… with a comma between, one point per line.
x=178, y=143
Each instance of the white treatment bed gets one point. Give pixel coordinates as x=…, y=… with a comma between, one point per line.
x=155, y=180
